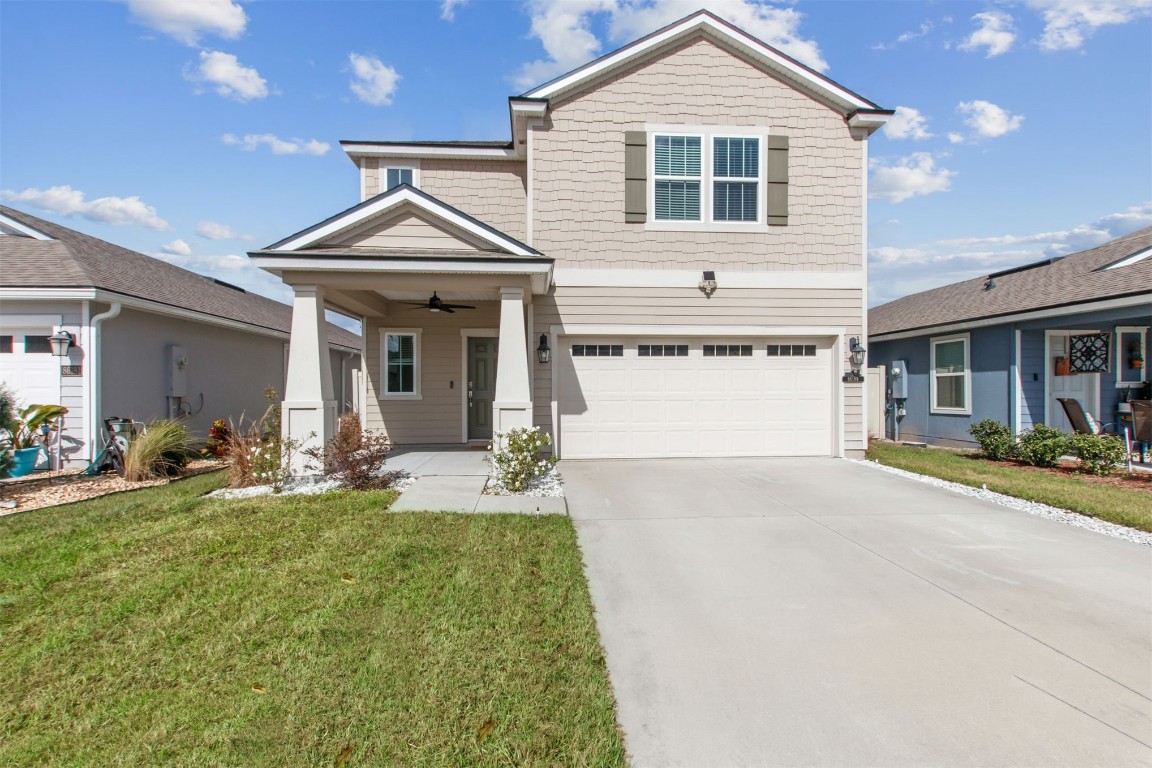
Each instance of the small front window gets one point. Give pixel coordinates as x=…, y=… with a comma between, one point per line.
x=951, y=376
x=401, y=364
x=397, y=176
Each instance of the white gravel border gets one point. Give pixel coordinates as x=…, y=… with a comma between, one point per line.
x=1031, y=507
x=300, y=489
x=547, y=485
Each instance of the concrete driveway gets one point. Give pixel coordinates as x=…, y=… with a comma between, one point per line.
x=819, y=612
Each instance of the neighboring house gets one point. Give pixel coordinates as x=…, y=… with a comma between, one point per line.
x=693, y=154
x=151, y=340
x=1006, y=346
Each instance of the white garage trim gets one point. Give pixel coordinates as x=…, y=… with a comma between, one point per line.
x=830, y=339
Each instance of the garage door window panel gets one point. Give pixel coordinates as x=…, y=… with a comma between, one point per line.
x=951, y=376
x=5, y=345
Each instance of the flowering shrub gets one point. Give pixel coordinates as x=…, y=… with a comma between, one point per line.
x=518, y=463
x=1099, y=454
x=219, y=436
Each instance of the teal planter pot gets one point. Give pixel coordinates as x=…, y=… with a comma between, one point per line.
x=24, y=461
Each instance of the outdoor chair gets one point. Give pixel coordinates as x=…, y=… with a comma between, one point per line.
x=1142, y=425
x=1083, y=424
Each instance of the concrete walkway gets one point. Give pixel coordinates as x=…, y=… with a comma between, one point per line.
x=822, y=613
x=453, y=481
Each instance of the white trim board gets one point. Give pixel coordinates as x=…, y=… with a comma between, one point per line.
x=392, y=199
x=423, y=150
x=23, y=228
x=570, y=277
x=1036, y=314
x=738, y=39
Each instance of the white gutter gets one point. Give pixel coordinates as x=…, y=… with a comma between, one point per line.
x=94, y=366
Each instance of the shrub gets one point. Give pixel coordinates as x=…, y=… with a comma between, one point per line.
x=354, y=456
x=1042, y=446
x=1099, y=454
x=161, y=451
x=219, y=438
x=519, y=462
x=8, y=420
x=996, y=440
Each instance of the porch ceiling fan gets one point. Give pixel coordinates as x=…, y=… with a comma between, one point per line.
x=436, y=304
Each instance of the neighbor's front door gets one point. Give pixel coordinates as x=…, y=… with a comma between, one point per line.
x=481, y=386
x=1084, y=387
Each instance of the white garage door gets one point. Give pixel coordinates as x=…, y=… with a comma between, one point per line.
x=642, y=397
x=27, y=365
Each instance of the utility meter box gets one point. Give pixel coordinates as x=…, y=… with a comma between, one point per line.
x=177, y=367
x=898, y=380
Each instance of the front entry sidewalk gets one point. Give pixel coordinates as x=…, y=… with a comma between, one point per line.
x=452, y=479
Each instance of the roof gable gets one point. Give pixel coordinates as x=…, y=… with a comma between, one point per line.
x=733, y=39
x=404, y=206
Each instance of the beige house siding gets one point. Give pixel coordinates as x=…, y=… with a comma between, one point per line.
x=437, y=417
x=755, y=307
x=578, y=169
x=493, y=192
x=406, y=230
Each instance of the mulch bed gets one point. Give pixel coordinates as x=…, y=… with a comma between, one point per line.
x=1137, y=481
x=50, y=489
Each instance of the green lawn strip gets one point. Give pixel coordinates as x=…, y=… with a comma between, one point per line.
x=158, y=628
x=1124, y=506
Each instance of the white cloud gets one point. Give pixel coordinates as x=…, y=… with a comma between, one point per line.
x=187, y=20
x=996, y=34
x=907, y=123
x=448, y=9
x=372, y=81
x=211, y=230
x=1068, y=23
x=925, y=28
x=178, y=248
x=564, y=28
x=988, y=120
x=899, y=271
x=232, y=79
x=912, y=176
x=250, y=142
x=70, y=202
x=956, y=138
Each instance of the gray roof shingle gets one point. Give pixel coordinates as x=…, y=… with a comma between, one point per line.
x=1073, y=279
x=75, y=260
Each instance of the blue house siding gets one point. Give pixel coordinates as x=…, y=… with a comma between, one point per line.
x=1031, y=378
x=994, y=373
x=990, y=351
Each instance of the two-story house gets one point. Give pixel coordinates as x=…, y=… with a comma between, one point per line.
x=666, y=259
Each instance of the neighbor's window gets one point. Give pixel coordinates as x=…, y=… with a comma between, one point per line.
x=394, y=177
x=951, y=376
x=401, y=363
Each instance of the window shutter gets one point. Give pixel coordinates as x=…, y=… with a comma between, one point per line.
x=776, y=190
x=635, y=177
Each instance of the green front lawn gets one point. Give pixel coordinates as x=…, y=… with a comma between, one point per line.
x=161, y=628
x=1129, y=505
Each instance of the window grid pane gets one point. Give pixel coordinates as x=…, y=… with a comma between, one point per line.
x=398, y=176
x=736, y=158
x=734, y=201
x=677, y=200
x=678, y=156
x=950, y=356
x=791, y=350
x=401, y=363
x=950, y=391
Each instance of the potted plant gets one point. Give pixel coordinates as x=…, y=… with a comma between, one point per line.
x=32, y=427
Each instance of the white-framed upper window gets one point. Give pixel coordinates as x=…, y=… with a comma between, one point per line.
x=400, y=363
x=951, y=375
x=394, y=177
x=706, y=178
x=1131, y=365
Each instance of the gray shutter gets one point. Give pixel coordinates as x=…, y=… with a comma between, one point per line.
x=635, y=177
x=776, y=190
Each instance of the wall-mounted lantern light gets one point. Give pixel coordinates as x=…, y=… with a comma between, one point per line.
x=61, y=342
x=708, y=284
x=856, y=359
x=543, y=352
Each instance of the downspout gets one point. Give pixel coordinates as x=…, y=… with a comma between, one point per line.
x=94, y=357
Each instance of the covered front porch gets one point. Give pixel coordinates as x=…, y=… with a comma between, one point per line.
x=445, y=306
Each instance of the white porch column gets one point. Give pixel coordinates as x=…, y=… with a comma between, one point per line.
x=308, y=414
x=512, y=404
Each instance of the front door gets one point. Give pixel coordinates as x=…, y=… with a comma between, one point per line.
x=1084, y=387
x=481, y=386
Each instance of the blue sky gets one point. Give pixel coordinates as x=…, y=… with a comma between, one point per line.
x=197, y=131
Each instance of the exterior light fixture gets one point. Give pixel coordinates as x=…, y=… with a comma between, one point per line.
x=543, y=352
x=61, y=342
x=856, y=359
x=708, y=284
